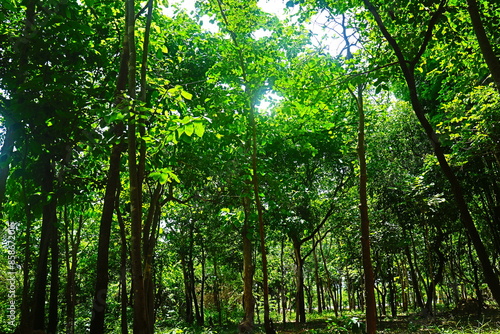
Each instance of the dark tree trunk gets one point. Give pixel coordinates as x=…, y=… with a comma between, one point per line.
x=282, y=285
x=300, y=307
x=140, y=316
x=48, y=221
x=392, y=296
x=438, y=277
x=369, y=279
x=123, y=270
x=71, y=264
x=489, y=55
x=54, y=281
x=477, y=287
x=189, y=315
x=329, y=282
x=25, y=325
x=408, y=72
x=149, y=238
x=201, y=321
x=248, y=271
x=110, y=200
x=102, y=276
x=414, y=280
x=317, y=281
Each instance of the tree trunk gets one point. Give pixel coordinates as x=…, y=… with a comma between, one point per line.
x=392, y=295
x=140, y=315
x=414, y=280
x=189, y=316
x=438, y=277
x=282, y=285
x=102, y=276
x=149, y=238
x=300, y=307
x=71, y=264
x=248, y=271
x=318, y=281
x=371, y=306
x=54, y=281
x=216, y=292
x=110, y=200
x=489, y=55
x=123, y=269
x=48, y=221
x=202, y=292
x=26, y=318
x=477, y=287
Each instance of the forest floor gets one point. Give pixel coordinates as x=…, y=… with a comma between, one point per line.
x=446, y=322
x=450, y=322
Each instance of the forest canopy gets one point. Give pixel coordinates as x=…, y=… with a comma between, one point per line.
x=240, y=164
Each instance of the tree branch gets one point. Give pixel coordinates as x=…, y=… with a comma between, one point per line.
x=428, y=34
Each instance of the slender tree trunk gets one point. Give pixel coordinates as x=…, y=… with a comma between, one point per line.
x=247, y=324
x=408, y=72
x=102, y=276
x=371, y=306
x=300, y=307
x=317, y=280
x=54, y=281
x=489, y=55
x=255, y=182
x=477, y=287
x=329, y=280
x=123, y=268
x=203, y=278
x=216, y=292
x=110, y=200
x=392, y=295
x=140, y=315
x=26, y=319
x=438, y=276
x=48, y=221
x=149, y=238
x=71, y=264
x=414, y=280
x=189, y=316
x=282, y=287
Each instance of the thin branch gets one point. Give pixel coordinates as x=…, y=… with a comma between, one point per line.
x=316, y=242
x=428, y=34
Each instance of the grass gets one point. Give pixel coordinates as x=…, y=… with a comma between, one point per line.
x=446, y=322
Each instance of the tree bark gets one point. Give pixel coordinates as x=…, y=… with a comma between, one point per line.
x=489, y=55
x=48, y=221
x=102, y=275
x=248, y=271
x=300, y=307
x=408, y=69
x=71, y=264
x=318, y=281
x=110, y=200
x=26, y=319
x=371, y=306
x=123, y=269
x=54, y=281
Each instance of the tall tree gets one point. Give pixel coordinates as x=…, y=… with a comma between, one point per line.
x=408, y=70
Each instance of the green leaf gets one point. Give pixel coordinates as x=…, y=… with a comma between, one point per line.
x=189, y=129
x=199, y=129
x=186, y=95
